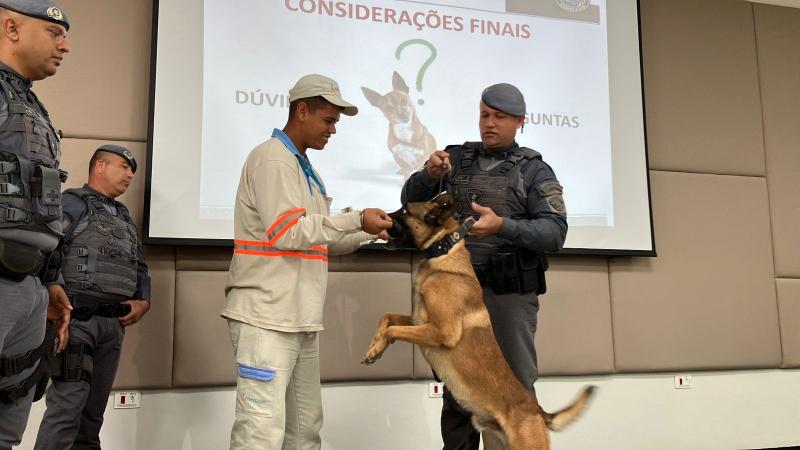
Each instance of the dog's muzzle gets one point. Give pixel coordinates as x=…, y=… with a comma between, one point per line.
x=397, y=231
x=398, y=236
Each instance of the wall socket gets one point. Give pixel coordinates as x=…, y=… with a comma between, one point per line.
x=683, y=381
x=435, y=389
x=127, y=399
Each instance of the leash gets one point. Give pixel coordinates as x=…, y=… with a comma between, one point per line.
x=443, y=167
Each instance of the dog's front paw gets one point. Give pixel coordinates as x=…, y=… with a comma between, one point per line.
x=373, y=354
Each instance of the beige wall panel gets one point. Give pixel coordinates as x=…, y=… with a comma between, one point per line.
x=75, y=160
x=372, y=261
x=147, y=350
x=422, y=370
x=789, y=306
x=778, y=32
x=102, y=88
x=574, y=322
x=203, y=352
x=708, y=301
x=355, y=303
x=701, y=86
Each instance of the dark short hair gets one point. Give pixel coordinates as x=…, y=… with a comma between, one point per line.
x=98, y=156
x=312, y=103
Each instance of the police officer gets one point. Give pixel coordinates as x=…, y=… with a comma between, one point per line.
x=32, y=46
x=107, y=281
x=522, y=215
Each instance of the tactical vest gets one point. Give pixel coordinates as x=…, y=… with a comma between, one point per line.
x=102, y=259
x=30, y=182
x=494, y=189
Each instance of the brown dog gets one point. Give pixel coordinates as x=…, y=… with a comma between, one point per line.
x=409, y=140
x=451, y=325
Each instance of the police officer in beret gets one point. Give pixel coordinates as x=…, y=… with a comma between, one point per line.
x=522, y=215
x=33, y=41
x=106, y=278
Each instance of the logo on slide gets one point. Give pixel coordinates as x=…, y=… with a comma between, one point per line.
x=573, y=5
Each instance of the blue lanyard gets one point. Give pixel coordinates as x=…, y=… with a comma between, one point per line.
x=304, y=163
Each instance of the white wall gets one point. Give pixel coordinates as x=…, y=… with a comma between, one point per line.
x=723, y=410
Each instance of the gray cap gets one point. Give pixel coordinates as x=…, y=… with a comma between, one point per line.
x=504, y=97
x=121, y=151
x=315, y=85
x=41, y=9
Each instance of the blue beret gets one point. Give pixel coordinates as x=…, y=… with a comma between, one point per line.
x=504, y=97
x=41, y=9
x=121, y=151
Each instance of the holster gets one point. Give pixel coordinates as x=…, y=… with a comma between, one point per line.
x=18, y=260
x=75, y=363
x=521, y=271
x=39, y=377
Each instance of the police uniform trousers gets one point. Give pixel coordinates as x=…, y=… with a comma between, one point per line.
x=62, y=426
x=23, y=315
x=278, y=391
x=513, y=318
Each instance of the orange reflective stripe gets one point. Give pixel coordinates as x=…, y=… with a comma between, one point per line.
x=283, y=223
x=289, y=253
x=244, y=243
x=261, y=248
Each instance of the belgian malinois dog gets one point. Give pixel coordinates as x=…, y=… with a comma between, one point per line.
x=451, y=325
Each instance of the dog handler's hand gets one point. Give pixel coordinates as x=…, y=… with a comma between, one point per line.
x=488, y=225
x=373, y=221
x=59, y=311
x=434, y=164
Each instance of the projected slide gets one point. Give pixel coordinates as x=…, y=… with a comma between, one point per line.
x=220, y=91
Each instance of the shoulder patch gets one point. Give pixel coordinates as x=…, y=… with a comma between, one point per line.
x=550, y=188
x=556, y=203
x=552, y=192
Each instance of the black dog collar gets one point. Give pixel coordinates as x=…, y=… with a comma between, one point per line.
x=442, y=246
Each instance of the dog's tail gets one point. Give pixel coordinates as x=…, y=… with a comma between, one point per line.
x=559, y=420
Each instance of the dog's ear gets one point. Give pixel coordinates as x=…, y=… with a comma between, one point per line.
x=442, y=198
x=373, y=97
x=398, y=83
x=445, y=208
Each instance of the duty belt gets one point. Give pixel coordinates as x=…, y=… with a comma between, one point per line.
x=86, y=306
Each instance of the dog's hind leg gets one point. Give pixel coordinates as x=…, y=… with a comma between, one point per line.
x=495, y=439
x=527, y=431
x=379, y=340
x=491, y=433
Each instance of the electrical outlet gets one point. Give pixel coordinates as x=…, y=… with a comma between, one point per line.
x=435, y=389
x=127, y=399
x=683, y=381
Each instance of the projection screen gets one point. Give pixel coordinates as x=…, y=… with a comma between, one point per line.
x=221, y=72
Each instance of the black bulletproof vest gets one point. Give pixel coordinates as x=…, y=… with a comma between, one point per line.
x=30, y=182
x=494, y=188
x=102, y=259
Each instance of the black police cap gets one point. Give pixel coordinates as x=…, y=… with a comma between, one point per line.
x=121, y=151
x=41, y=9
x=504, y=97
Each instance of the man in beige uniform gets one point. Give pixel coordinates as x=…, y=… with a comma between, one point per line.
x=278, y=275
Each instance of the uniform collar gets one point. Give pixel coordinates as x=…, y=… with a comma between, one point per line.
x=503, y=154
x=16, y=78
x=102, y=196
x=305, y=164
